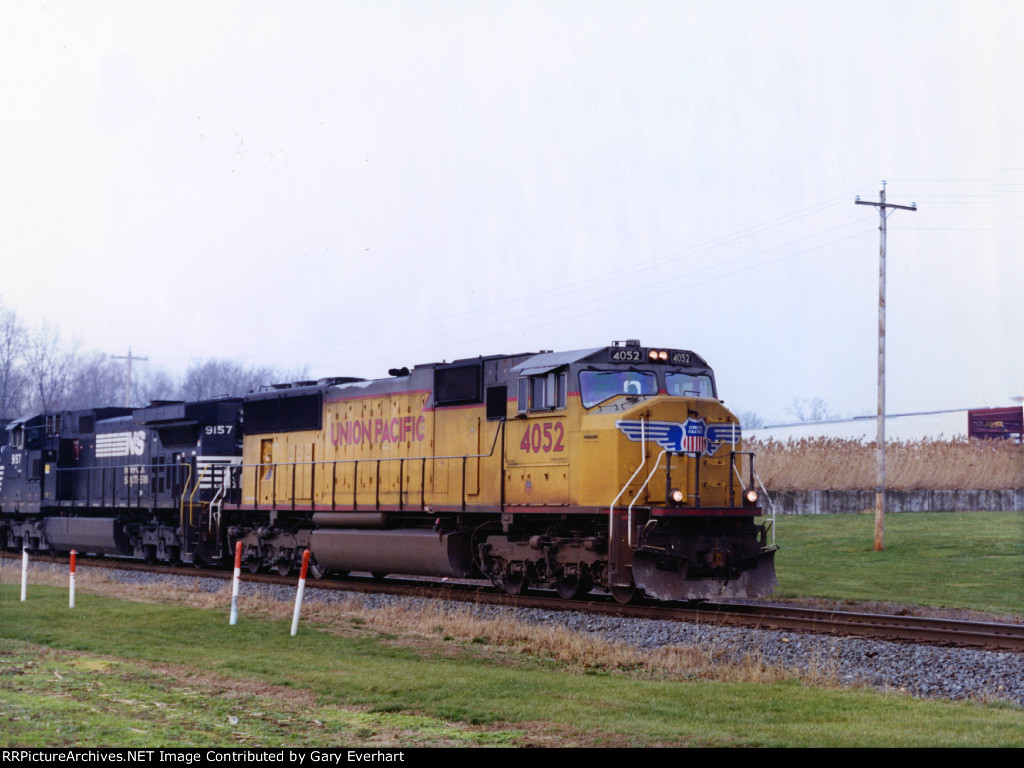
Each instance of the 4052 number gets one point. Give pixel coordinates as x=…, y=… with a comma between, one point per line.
x=543, y=437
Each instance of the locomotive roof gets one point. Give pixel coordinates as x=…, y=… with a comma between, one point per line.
x=528, y=364
x=24, y=421
x=168, y=413
x=548, y=361
x=37, y=419
x=545, y=362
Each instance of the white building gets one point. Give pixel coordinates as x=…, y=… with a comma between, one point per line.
x=898, y=426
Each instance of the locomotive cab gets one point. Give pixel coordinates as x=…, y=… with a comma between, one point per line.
x=648, y=465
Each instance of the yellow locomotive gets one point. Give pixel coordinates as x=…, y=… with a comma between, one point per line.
x=613, y=468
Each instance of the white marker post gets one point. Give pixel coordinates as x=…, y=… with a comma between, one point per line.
x=71, y=583
x=234, y=583
x=298, y=595
x=24, y=573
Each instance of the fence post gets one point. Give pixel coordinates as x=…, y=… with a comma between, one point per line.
x=234, y=583
x=24, y=572
x=71, y=581
x=298, y=595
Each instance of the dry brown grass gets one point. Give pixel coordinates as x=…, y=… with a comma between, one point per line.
x=448, y=624
x=824, y=463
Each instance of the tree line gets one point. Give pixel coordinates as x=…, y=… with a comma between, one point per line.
x=40, y=371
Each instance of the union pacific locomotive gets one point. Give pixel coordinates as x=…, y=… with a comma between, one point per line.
x=613, y=468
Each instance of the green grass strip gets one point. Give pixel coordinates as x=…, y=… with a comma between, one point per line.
x=967, y=560
x=118, y=673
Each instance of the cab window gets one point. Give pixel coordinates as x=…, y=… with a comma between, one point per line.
x=542, y=393
x=598, y=386
x=689, y=385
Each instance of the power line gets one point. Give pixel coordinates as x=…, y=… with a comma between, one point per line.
x=514, y=310
x=128, y=374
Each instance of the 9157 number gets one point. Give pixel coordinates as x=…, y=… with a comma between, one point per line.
x=543, y=437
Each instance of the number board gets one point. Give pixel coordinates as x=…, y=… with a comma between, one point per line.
x=635, y=355
x=631, y=355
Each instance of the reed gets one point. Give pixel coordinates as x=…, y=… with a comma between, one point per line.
x=825, y=463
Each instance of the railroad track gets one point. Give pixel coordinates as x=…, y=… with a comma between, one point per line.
x=897, y=628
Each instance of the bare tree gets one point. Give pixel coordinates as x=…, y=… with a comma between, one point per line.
x=810, y=410
x=49, y=367
x=750, y=420
x=96, y=381
x=12, y=364
x=155, y=384
x=215, y=378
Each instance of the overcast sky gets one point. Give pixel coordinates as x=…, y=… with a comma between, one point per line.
x=362, y=185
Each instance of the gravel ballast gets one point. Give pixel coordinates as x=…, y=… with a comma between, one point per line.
x=920, y=670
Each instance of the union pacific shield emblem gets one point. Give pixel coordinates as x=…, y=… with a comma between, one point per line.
x=695, y=436
x=691, y=436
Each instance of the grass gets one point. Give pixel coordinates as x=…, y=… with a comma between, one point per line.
x=144, y=666
x=971, y=561
x=812, y=464
x=54, y=698
x=176, y=675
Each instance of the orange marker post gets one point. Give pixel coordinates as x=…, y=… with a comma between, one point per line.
x=234, y=583
x=298, y=595
x=71, y=581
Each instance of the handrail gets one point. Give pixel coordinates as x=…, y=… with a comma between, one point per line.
x=188, y=479
x=239, y=468
x=195, y=490
x=215, y=512
x=134, y=476
x=643, y=461
x=696, y=494
x=771, y=504
x=753, y=477
x=629, y=514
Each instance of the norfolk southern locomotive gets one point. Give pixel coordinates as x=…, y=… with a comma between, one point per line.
x=612, y=468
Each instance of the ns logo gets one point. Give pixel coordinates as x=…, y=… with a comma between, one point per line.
x=121, y=444
x=137, y=443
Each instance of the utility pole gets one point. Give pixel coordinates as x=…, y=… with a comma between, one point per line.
x=128, y=376
x=883, y=214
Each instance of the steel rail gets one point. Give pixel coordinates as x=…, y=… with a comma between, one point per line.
x=898, y=628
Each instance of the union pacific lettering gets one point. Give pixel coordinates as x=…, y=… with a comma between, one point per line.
x=377, y=431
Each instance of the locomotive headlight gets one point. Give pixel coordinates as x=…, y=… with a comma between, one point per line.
x=663, y=356
x=653, y=354
x=676, y=496
x=750, y=496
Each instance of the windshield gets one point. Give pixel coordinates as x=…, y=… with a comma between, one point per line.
x=688, y=384
x=598, y=386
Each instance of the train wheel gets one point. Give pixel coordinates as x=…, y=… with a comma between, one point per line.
x=513, y=583
x=284, y=567
x=316, y=571
x=624, y=595
x=572, y=587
